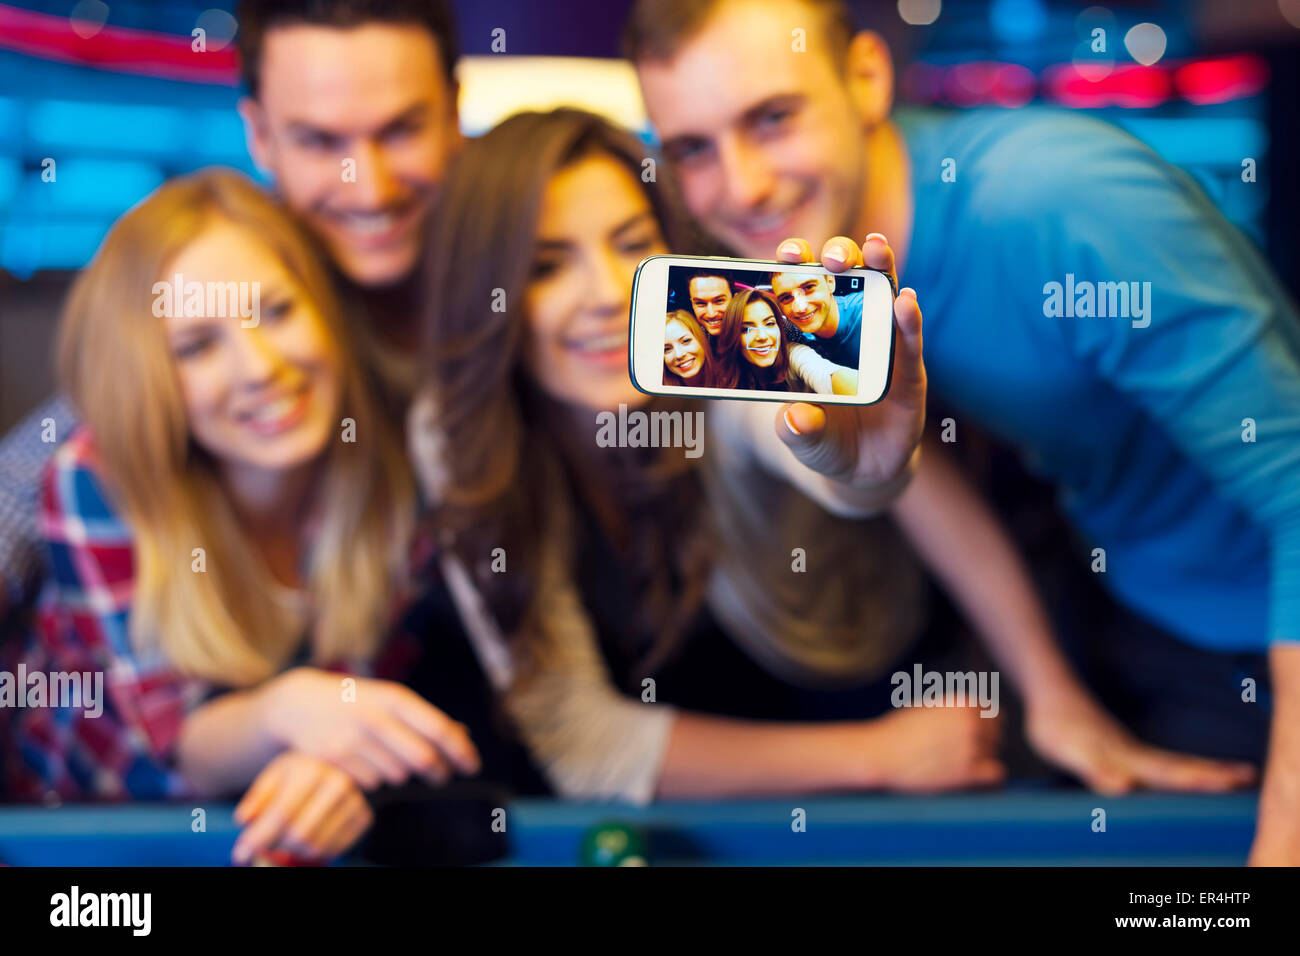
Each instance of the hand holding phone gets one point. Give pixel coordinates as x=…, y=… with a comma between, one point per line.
x=757, y=330
x=863, y=444
x=868, y=420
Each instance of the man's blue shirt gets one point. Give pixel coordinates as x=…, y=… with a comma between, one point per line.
x=1173, y=436
x=845, y=346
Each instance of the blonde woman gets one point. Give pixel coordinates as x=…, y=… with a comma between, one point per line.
x=232, y=518
x=688, y=360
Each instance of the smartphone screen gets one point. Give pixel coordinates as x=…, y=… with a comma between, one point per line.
x=732, y=328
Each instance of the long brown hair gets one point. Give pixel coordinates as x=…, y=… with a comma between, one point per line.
x=225, y=625
x=516, y=464
x=730, y=345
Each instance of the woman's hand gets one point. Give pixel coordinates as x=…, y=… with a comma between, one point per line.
x=852, y=443
x=1077, y=735
x=304, y=806
x=927, y=749
x=384, y=733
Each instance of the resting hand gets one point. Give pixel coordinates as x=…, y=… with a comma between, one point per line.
x=1080, y=737
x=302, y=805
x=388, y=733
x=925, y=750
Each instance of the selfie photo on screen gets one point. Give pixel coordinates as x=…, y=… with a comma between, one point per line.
x=792, y=332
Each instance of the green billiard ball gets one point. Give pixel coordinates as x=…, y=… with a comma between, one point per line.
x=613, y=844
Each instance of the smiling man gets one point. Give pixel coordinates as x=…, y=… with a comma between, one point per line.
x=355, y=116
x=798, y=136
x=710, y=296
x=1138, y=424
x=352, y=109
x=831, y=324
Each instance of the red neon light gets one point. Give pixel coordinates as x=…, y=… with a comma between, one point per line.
x=980, y=82
x=1135, y=87
x=115, y=48
x=1013, y=85
x=1222, y=79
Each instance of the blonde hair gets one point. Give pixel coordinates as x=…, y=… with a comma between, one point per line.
x=225, y=624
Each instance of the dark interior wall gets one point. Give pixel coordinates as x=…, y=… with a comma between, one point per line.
x=573, y=28
x=29, y=313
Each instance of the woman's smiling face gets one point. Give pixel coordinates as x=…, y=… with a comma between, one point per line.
x=265, y=395
x=596, y=225
x=683, y=353
x=760, y=336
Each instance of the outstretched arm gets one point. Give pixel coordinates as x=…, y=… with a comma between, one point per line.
x=821, y=374
x=597, y=743
x=965, y=545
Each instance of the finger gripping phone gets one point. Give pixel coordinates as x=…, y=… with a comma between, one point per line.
x=763, y=331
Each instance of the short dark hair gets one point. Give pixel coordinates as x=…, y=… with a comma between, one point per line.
x=656, y=29
x=256, y=17
x=771, y=280
x=707, y=275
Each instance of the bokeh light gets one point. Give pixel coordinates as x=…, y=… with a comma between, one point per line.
x=1146, y=43
x=88, y=18
x=219, y=27
x=919, y=13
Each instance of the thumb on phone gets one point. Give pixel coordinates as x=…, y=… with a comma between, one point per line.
x=824, y=439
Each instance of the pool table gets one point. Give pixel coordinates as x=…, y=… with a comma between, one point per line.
x=1007, y=828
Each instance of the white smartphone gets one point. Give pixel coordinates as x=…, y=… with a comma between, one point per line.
x=750, y=329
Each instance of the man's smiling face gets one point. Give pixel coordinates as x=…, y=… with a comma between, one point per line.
x=806, y=300
x=776, y=147
x=710, y=296
x=357, y=126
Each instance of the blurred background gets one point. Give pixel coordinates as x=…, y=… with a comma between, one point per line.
x=116, y=94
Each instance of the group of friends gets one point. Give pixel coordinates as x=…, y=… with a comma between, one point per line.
x=794, y=336
x=369, y=539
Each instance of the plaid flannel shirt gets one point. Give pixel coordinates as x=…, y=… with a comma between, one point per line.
x=82, y=625
x=23, y=456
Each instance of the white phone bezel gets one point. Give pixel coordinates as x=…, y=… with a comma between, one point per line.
x=649, y=299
